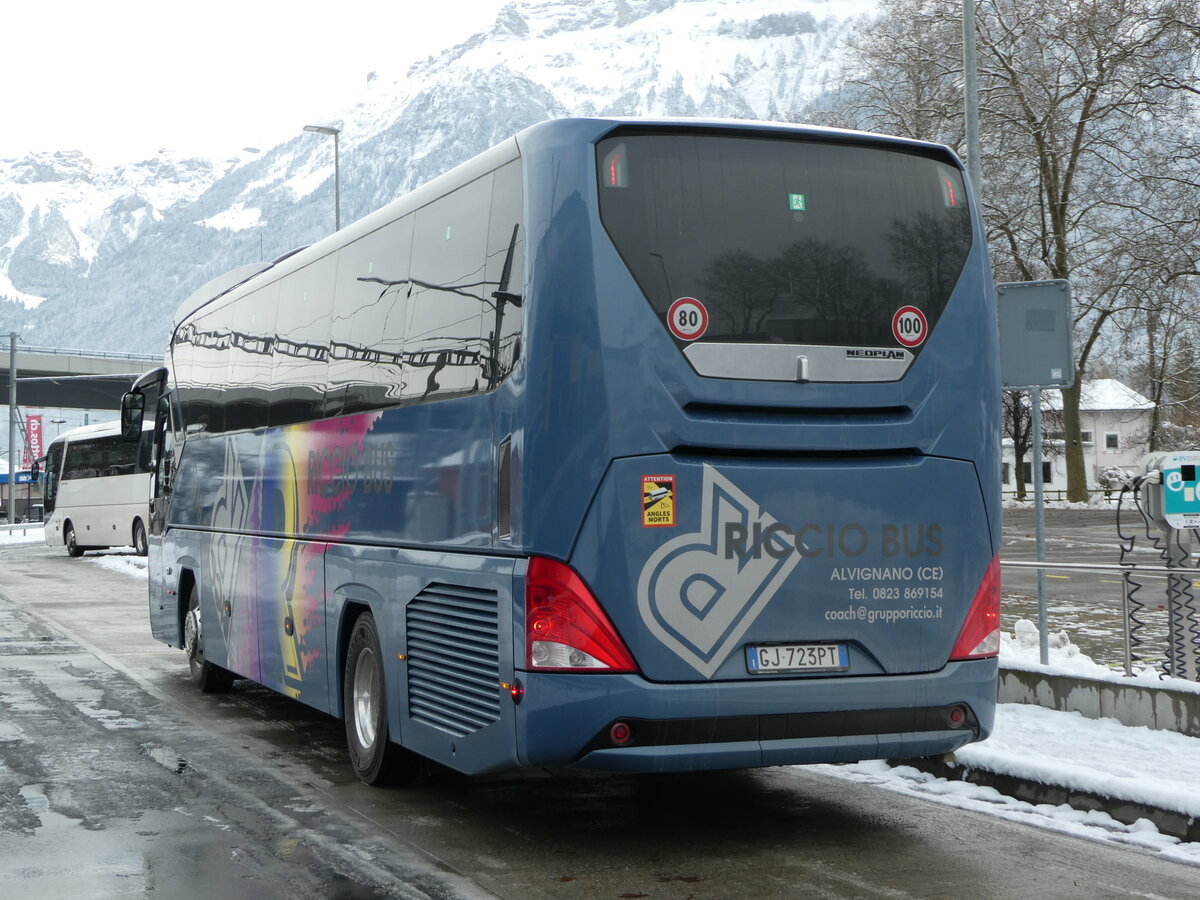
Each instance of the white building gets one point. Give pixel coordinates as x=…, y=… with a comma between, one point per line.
x=1114, y=421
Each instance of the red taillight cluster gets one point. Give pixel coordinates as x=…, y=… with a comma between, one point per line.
x=565, y=628
x=980, y=635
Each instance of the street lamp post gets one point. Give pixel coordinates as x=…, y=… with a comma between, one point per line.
x=971, y=96
x=337, y=172
x=12, y=428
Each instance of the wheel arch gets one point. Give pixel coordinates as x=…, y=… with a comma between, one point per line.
x=133, y=529
x=187, y=581
x=352, y=608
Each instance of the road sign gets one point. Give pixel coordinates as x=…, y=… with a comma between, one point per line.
x=1035, y=334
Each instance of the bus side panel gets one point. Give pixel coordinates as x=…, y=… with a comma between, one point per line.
x=163, y=591
x=209, y=562
x=289, y=582
x=415, y=474
x=446, y=624
x=102, y=510
x=420, y=474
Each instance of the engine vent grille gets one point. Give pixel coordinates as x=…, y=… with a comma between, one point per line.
x=454, y=658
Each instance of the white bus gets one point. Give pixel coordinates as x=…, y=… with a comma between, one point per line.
x=97, y=490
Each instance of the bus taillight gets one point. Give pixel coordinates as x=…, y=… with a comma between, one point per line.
x=565, y=628
x=980, y=635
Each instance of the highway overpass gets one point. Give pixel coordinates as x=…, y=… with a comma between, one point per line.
x=48, y=377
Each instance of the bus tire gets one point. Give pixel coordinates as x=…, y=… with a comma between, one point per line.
x=207, y=677
x=71, y=542
x=376, y=760
x=140, y=546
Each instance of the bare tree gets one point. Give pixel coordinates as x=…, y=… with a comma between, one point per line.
x=1164, y=339
x=1086, y=121
x=1017, y=418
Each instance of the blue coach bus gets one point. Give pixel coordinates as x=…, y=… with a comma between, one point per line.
x=628, y=445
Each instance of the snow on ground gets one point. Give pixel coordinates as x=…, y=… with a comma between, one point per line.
x=120, y=559
x=33, y=534
x=1101, y=756
x=1021, y=650
x=1092, y=825
x=116, y=559
x=1153, y=768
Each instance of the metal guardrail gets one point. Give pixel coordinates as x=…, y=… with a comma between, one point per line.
x=1095, y=567
x=101, y=354
x=1125, y=569
x=1058, y=495
x=20, y=526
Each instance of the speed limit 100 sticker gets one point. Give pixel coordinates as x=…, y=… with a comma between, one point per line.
x=909, y=326
x=687, y=318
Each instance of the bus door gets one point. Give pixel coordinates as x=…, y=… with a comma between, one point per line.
x=161, y=466
x=54, y=459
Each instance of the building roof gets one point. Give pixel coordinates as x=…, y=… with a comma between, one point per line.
x=1103, y=394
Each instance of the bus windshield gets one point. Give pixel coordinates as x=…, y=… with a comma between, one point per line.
x=793, y=241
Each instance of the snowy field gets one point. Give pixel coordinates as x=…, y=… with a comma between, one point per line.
x=1101, y=756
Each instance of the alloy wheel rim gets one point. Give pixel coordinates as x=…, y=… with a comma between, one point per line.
x=366, y=700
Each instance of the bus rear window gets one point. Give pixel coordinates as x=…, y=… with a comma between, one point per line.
x=793, y=241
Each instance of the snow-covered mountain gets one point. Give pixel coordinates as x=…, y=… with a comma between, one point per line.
x=99, y=258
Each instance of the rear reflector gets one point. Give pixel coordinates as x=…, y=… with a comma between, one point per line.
x=980, y=635
x=565, y=628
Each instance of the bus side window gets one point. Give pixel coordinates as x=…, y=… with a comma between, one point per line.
x=444, y=337
x=504, y=298
x=366, y=360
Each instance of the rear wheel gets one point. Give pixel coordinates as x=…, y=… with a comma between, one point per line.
x=376, y=760
x=140, y=547
x=73, y=548
x=207, y=677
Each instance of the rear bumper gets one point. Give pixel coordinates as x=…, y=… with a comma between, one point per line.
x=564, y=720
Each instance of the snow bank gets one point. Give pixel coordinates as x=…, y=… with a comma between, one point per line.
x=1021, y=650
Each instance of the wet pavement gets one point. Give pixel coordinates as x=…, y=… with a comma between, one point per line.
x=95, y=802
x=118, y=779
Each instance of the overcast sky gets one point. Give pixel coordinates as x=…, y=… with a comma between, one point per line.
x=120, y=79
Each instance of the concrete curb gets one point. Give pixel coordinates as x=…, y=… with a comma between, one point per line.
x=1167, y=821
x=1163, y=709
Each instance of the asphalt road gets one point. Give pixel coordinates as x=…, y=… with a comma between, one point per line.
x=117, y=779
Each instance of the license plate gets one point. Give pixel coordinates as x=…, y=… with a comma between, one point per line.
x=771, y=659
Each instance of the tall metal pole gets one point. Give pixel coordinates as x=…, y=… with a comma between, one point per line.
x=1039, y=505
x=971, y=92
x=12, y=428
x=337, y=170
x=337, y=184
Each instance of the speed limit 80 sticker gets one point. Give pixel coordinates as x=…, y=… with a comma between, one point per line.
x=687, y=318
x=909, y=326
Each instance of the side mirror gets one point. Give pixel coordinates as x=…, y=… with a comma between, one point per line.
x=35, y=471
x=133, y=409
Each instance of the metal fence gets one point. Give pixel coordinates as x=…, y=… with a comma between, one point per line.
x=1126, y=569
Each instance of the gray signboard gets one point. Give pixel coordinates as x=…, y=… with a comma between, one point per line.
x=1035, y=334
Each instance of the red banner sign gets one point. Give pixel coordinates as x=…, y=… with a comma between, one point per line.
x=33, y=441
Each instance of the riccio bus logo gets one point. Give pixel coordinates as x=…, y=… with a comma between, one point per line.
x=909, y=326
